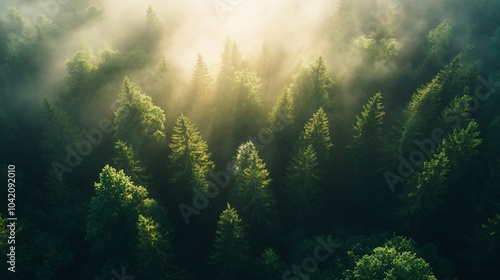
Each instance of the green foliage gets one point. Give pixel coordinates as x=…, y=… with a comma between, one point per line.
x=78, y=18
x=389, y=263
x=311, y=88
x=230, y=256
x=200, y=92
x=302, y=184
x=59, y=132
x=485, y=242
x=154, y=251
x=382, y=51
x=247, y=110
x=425, y=186
x=251, y=193
x=367, y=136
x=438, y=41
x=492, y=140
x=190, y=161
x=138, y=122
x=457, y=113
x=281, y=111
x=115, y=206
x=419, y=112
x=47, y=255
x=87, y=71
x=461, y=146
x=231, y=61
x=64, y=232
x=126, y=160
x=269, y=265
x=138, y=58
x=82, y=69
x=317, y=133
x=200, y=78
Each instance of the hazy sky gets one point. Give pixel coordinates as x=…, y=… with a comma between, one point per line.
x=195, y=26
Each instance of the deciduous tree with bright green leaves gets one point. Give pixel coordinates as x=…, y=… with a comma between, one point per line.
x=387, y=263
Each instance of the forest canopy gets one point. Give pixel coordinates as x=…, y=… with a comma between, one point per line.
x=220, y=139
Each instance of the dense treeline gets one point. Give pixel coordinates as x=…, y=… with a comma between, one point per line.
x=377, y=159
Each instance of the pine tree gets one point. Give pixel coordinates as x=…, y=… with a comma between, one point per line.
x=367, y=138
x=440, y=95
x=269, y=265
x=302, y=184
x=154, y=251
x=60, y=136
x=420, y=111
x=247, y=111
x=138, y=122
x=200, y=78
x=224, y=99
x=82, y=69
x=311, y=89
x=190, y=161
x=152, y=20
x=200, y=91
x=317, y=134
x=115, y=206
x=126, y=160
x=153, y=29
x=59, y=132
x=230, y=257
x=281, y=113
x=461, y=146
x=231, y=62
x=438, y=41
x=251, y=193
x=424, y=190
x=456, y=114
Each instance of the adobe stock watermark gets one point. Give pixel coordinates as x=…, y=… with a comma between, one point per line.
x=77, y=152
x=427, y=146
x=322, y=252
x=221, y=179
